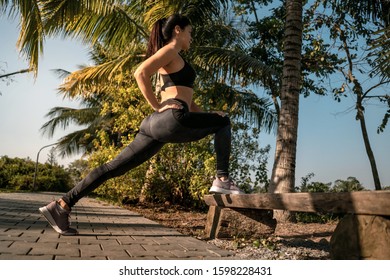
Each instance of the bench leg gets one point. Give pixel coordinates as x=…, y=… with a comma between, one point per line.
x=212, y=221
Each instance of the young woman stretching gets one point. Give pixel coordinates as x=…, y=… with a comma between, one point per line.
x=177, y=119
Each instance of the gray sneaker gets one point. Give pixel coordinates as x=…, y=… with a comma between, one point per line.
x=58, y=218
x=225, y=187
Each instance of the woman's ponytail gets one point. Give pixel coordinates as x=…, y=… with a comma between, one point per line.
x=162, y=32
x=156, y=39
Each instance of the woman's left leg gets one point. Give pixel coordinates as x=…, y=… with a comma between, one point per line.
x=199, y=125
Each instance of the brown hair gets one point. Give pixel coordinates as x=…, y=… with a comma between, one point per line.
x=162, y=32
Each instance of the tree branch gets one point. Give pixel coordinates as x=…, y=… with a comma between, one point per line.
x=15, y=73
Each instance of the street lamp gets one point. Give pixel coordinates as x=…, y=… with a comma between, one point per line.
x=36, y=163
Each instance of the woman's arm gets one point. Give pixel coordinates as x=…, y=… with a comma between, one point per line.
x=150, y=66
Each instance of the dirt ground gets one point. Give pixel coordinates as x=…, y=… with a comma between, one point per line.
x=193, y=223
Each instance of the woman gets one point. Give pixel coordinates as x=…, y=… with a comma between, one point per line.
x=177, y=119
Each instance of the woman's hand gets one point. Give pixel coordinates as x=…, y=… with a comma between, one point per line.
x=170, y=104
x=222, y=114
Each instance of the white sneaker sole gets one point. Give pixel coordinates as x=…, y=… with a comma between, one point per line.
x=218, y=190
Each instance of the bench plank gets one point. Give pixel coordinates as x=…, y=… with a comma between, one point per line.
x=362, y=202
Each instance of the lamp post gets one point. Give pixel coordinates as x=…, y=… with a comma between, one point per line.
x=36, y=164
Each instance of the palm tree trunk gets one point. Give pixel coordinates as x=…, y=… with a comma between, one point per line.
x=283, y=173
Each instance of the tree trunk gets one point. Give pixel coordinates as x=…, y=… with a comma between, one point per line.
x=145, y=191
x=283, y=172
x=370, y=153
x=358, y=90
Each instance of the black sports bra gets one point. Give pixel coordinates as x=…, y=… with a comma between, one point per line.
x=184, y=77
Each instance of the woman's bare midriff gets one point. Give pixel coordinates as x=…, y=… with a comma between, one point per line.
x=179, y=92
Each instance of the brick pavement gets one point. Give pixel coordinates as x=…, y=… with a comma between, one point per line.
x=105, y=232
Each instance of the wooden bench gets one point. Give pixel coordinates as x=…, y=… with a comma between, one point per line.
x=363, y=207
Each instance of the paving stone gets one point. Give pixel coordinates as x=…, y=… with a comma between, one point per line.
x=133, y=248
x=45, y=250
x=127, y=240
x=196, y=254
x=154, y=253
x=25, y=257
x=106, y=233
x=162, y=247
x=116, y=254
x=17, y=248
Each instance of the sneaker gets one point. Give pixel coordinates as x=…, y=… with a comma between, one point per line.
x=58, y=218
x=225, y=187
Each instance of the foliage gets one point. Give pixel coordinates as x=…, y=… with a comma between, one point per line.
x=375, y=11
x=307, y=186
x=265, y=43
x=18, y=174
x=249, y=160
x=349, y=185
x=351, y=36
x=77, y=170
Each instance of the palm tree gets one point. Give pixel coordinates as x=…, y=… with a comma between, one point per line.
x=89, y=117
x=80, y=140
x=283, y=172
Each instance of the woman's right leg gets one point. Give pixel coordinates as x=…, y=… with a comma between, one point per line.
x=140, y=150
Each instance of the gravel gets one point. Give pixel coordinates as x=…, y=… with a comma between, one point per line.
x=276, y=249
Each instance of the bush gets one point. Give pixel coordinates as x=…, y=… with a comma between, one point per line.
x=18, y=174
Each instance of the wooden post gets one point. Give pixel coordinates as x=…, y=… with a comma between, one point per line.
x=212, y=221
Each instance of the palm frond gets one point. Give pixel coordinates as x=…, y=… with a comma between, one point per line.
x=249, y=107
x=201, y=11
x=62, y=11
x=380, y=48
x=376, y=9
x=198, y=11
x=219, y=32
x=31, y=36
x=229, y=64
x=105, y=22
x=4, y=5
x=93, y=79
x=62, y=117
x=241, y=104
x=61, y=73
x=75, y=143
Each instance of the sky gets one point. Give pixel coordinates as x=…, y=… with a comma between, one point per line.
x=330, y=143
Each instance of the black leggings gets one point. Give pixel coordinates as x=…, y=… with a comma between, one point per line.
x=170, y=126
